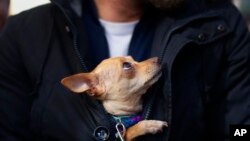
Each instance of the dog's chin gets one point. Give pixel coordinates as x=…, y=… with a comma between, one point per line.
x=153, y=79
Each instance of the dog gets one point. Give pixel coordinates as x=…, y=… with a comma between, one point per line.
x=119, y=84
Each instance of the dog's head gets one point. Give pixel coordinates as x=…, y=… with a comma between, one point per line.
x=116, y=78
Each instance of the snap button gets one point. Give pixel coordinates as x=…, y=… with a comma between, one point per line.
x=221, y=28
x=67, y=28
x=201, y=37
x=101, y=133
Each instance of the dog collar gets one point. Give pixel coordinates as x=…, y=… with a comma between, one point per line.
x=127, y=121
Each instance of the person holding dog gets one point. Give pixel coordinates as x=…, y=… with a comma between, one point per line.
x=202, y=46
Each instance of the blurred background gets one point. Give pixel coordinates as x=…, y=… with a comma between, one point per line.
x=12, y=7
x=17, y=6
x=244, y=7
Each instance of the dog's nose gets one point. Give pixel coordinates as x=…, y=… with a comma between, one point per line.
x=153, y=60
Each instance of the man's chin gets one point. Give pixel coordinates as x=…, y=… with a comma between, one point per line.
x=168, y=5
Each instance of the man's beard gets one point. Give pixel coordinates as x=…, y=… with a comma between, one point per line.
x=168, y=5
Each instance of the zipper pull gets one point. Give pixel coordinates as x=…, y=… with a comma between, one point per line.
x=67, y=28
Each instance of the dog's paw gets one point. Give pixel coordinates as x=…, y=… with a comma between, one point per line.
x=145, y=127
x=153, y=126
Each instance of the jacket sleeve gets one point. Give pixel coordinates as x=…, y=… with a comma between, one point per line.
x=237, y=76
x=15, y=87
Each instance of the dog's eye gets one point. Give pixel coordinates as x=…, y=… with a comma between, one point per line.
x=126, y=66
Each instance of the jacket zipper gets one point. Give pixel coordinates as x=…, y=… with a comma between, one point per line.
x=74, y=37
x=164, y=43
x=100, y=107
x=85, y=68
x=75, y=45
x=148, y=109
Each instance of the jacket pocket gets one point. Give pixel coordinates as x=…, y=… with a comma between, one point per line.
x=61, y=115
x=42, y=95
x=207, y=32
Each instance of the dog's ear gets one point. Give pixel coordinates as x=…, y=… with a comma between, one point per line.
x=83, y=82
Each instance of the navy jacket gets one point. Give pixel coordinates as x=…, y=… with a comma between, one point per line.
x=203, y=48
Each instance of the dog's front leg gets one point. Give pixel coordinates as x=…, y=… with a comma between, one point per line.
x=145, y=127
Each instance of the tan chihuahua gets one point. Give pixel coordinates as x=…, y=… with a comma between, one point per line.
x=119, y=84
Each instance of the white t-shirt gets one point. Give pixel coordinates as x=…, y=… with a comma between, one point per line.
x=118, y=36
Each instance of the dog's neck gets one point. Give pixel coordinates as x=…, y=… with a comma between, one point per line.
x=128, y=106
